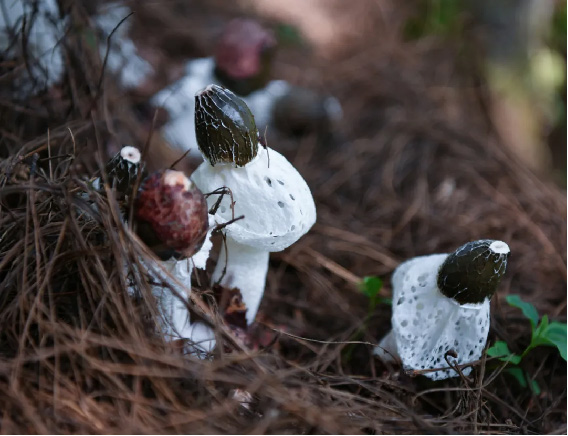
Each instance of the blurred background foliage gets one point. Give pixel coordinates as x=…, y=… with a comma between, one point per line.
x=522, y=45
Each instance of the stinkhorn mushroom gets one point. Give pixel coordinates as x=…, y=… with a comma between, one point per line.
x=275, y=200
x=123, y=168
x=172, y=219
x=121, y=171
x=441, y=308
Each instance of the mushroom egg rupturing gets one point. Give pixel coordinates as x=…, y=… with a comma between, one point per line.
x=171, y=213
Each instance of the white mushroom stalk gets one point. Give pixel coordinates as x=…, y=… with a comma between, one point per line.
x=175, y=319
x=275, y=200
x=172, y=219
x=441, y=308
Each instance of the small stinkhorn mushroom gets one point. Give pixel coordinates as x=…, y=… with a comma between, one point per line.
x=275, y=200
x=441, y=308
x=172, y=219
x=122, y=169
x=121, y=172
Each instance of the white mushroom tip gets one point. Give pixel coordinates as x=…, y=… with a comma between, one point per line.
x=208, y=88
x=172, y=178
x=499, y=247
x=130, y=154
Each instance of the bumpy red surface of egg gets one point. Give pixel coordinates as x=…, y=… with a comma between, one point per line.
x=175, y=209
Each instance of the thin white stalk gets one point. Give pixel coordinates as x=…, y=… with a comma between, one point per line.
x=175, y=318
x=246, y=269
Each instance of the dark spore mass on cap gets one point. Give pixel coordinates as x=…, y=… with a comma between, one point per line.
x=472, y=272
x=123, y=172
x=225, y=127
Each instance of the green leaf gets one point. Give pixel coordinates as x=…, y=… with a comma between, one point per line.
x=527, y=308
x=518, y=374
x=535, y=387
x=521, y=376
x=551, y=334
x=539, y=332
x=371, y=286
x=501, y=350
x=538, y=335
x=555, y=335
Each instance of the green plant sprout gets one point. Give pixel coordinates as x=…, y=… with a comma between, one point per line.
x=545, y=333
x=371, y=286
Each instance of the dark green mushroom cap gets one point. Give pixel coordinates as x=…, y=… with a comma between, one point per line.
x=473, y=272
x=224, y=127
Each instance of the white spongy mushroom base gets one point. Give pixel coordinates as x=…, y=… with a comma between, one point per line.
x=426, y=324
x=275, y=200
